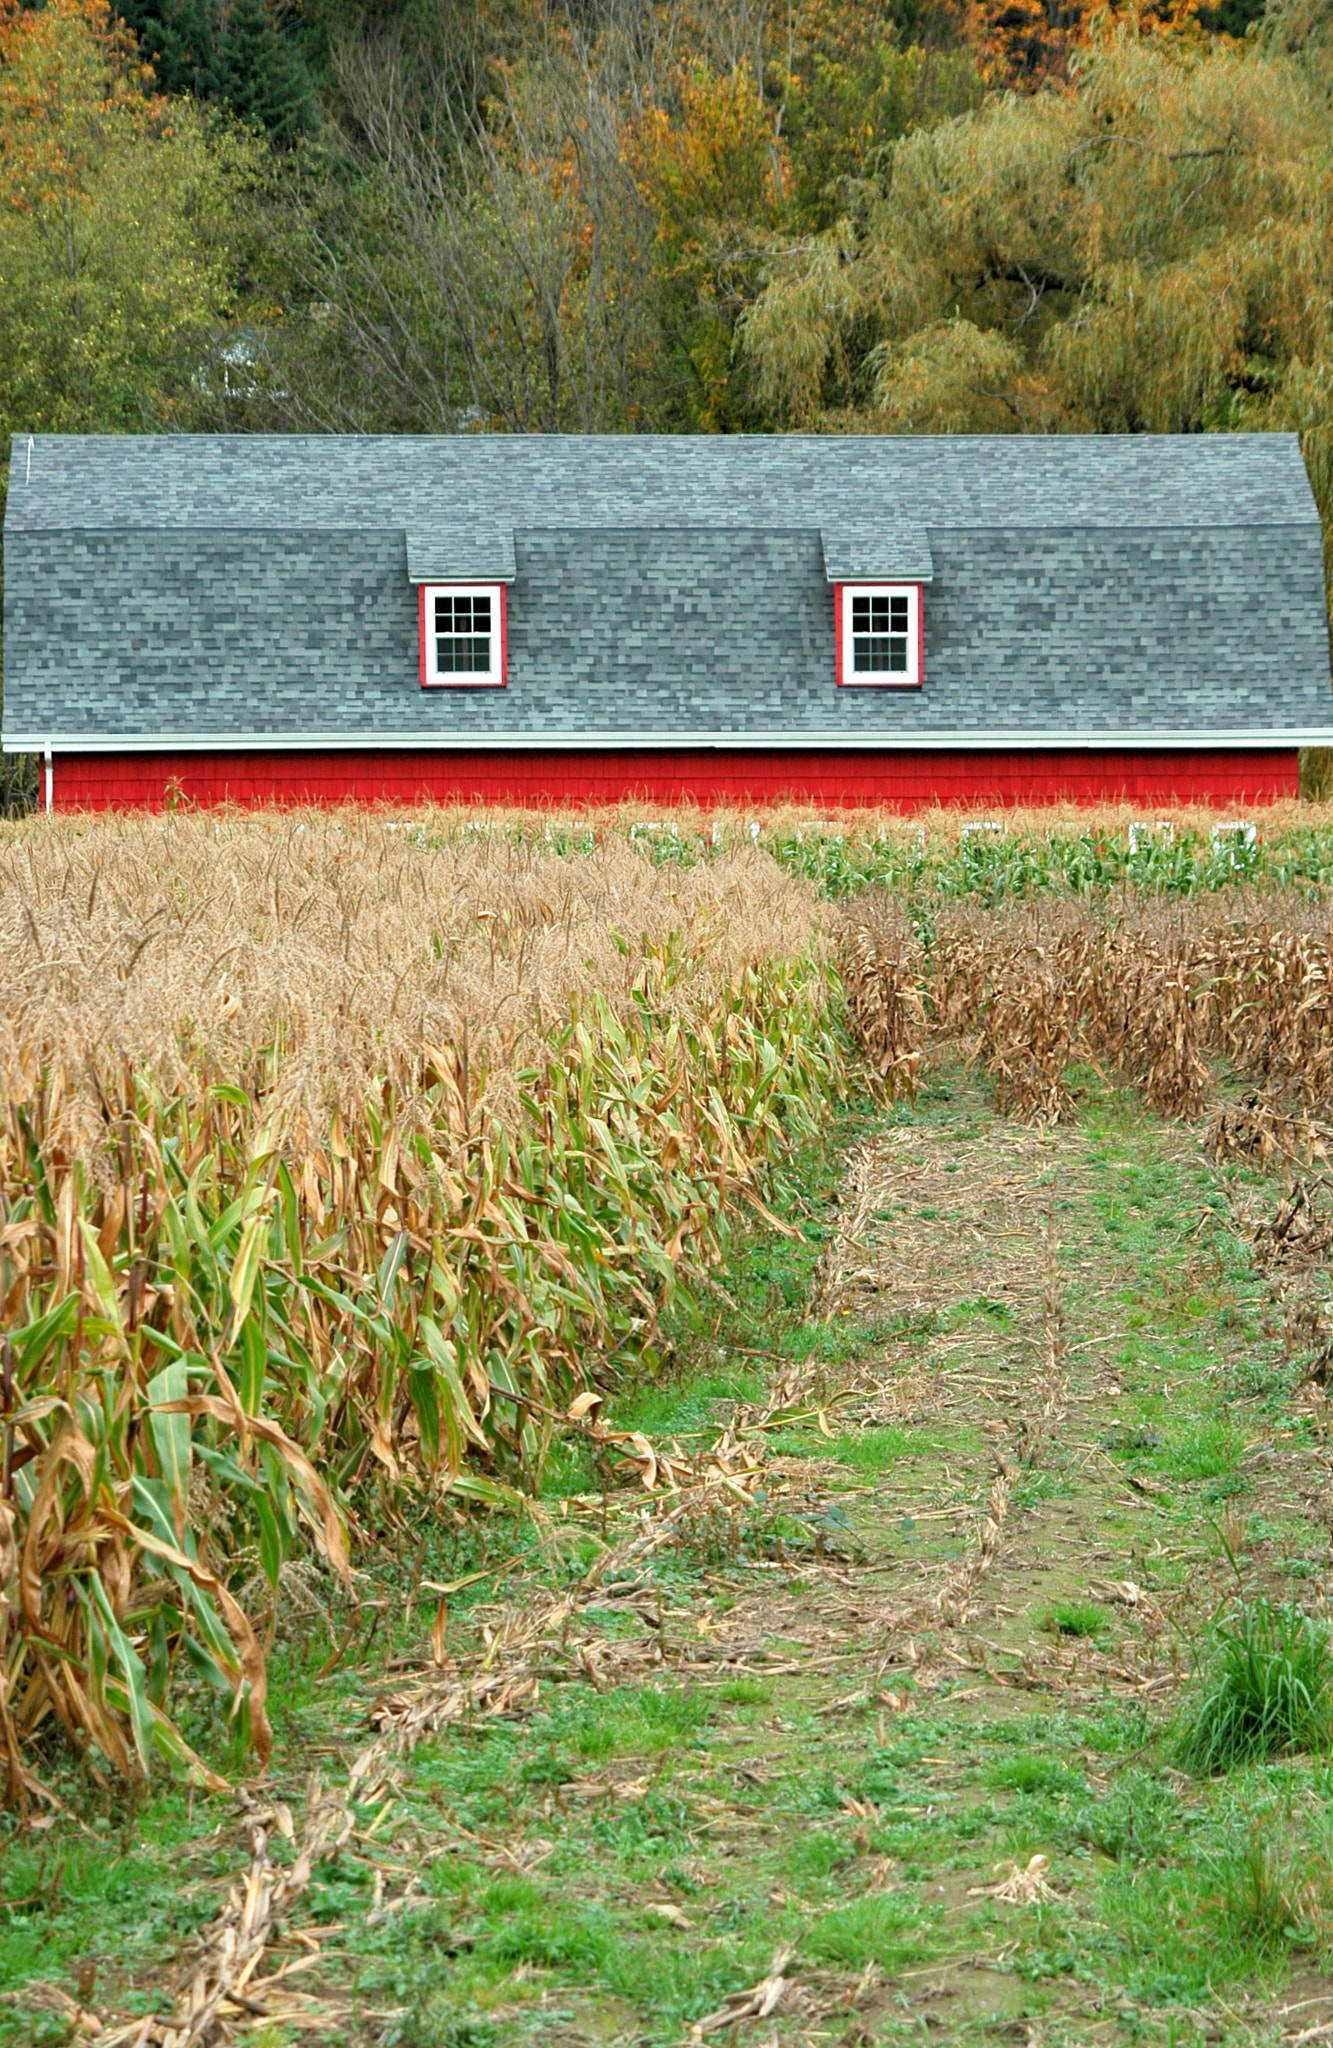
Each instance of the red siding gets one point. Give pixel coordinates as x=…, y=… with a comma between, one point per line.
x=905, y=781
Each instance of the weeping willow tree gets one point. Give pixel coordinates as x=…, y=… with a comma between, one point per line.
x=1147, y=249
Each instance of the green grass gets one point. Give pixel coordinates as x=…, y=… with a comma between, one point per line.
x=1272, y=1893
x=1033, y=1774
x=1267, y=1693
x=1082, y=1618
x=877, y=1448
x=1205, y=1449
x=744, y=1692
x=631, y=1721
x=879, y=1930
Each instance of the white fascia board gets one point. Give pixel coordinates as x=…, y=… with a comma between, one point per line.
x=1213, y=740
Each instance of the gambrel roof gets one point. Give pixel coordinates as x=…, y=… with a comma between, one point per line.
x=181, y=590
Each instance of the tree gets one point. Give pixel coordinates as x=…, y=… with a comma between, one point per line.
x=261, y=73
x=117, y=212
x=479, y=258
x=1148, y=250
x=234, y=54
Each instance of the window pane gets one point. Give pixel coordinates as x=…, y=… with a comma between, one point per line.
x=899, y=615
x=462, y=615
x=860, y=613
x=880, y=655
x=457, y=656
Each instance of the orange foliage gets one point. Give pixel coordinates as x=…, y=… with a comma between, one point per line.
x=717, y=161
x=69, y=72
x=1028, y=43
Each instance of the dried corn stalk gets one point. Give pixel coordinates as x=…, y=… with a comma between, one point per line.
x=332, y=1160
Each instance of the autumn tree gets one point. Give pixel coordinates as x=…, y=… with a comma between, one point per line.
x=1148, y=250
x=116, y=232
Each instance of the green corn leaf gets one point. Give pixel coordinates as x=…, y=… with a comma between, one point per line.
x=32, y=1343
x=254, y=1365
x=421, y=1385
x=289, y=1206
x=218, y=1232
x=245, y=1270
x=153, y=1503
x=171, y=1433
x=207, y=1666
x=136, y=1681
x=272, y=1549
x=390, y=1266
x=101, y=1279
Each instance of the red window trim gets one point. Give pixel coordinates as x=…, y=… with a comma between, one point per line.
x=881, y=682
x=486, y=682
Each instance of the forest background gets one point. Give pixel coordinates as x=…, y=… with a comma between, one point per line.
x=667, y=215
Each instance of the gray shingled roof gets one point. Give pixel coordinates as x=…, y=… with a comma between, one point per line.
x=663, y=589
x=617, y=480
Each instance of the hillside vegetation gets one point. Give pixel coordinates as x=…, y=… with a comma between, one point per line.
x=936, y=215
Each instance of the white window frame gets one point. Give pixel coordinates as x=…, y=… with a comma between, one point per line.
x=879, y=679
x=491, y=678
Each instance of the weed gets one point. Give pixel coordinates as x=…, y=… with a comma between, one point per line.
x=744, y=1692
x=631, y=1721
x=874, y=1450
x=1206, y=1450
x=1076, y=1618
x=1135, y=1820
x=1032, y=1774
x=1271, y=1895
x=1268, y=1690
x=818, y=1853
x=551, y=1938
x=869, y=1930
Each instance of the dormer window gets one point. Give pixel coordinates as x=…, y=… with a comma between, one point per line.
x=879, y=635
x=462, y=636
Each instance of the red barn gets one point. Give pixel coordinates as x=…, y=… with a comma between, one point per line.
x=557, y=619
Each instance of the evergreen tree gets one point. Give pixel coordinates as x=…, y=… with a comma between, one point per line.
x=234, y=55
x=178, y=38
x=261, y=72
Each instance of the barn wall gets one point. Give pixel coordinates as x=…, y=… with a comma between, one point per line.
x=903, y=780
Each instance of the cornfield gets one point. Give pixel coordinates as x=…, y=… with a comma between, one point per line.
x=1019, y=855
x=1155, y=995
x=336, y=1156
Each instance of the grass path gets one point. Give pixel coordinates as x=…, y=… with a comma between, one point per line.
x=868, y=1740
